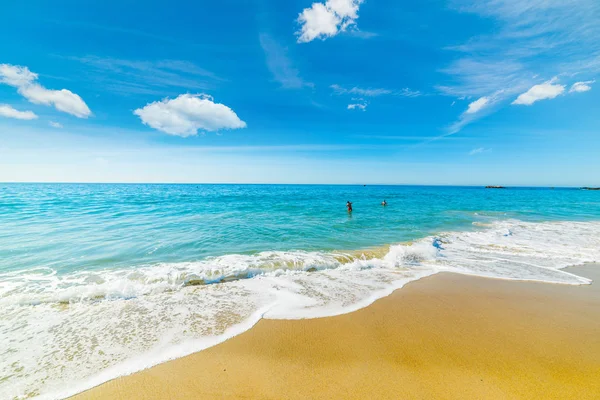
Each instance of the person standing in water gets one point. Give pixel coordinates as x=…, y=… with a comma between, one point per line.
x=349, y=206
x=384, y=203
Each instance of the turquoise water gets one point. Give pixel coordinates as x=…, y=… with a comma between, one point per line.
x=73, y=227
x=98, y=281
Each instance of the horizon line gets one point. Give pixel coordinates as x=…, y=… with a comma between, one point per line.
x=292, y=184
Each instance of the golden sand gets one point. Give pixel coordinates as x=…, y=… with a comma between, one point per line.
x=443, y=337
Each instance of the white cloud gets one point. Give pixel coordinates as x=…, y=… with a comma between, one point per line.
x=63, y=100
x=186, y=114
x=24, y=80
x=55, y=124
x=477, y=105
x=579, y=87
x=357, y=106
x=547, y=90
x=321, y=21
x=475, y=110
x=280, y=65
x=9, y=112
x=15, y=75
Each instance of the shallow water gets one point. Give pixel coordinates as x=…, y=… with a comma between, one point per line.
x=101, y=280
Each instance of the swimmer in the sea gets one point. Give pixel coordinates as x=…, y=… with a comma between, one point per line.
x=349, y=206
x=384, y=203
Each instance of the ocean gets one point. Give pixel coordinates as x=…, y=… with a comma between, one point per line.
x=102, y=280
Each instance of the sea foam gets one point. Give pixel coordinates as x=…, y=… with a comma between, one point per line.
x=80, y=329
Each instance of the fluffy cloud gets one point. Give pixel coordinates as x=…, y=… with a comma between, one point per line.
x=477, y=105
x=63, y=100
x=24, y=80
x=16, y=76
x=547, y=90
x=55, y=124
x=323, y=20
x=186, y=114
x=9, y=112
x=579, y=87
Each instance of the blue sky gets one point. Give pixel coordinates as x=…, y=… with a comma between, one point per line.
x=340, y=91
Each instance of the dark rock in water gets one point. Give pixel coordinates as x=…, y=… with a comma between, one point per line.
x=590, y=188
x=495, y=187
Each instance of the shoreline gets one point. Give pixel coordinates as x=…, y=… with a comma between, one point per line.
x=164, y=327
x=416, y=342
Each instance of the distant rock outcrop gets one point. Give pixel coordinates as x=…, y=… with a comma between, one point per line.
x=495, y=187
x=590, y=188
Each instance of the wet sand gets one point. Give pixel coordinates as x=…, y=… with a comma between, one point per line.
x=444, y=337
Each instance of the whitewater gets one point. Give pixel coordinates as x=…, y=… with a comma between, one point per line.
x=79, y=330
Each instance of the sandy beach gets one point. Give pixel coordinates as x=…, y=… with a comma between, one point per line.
x=444, y=337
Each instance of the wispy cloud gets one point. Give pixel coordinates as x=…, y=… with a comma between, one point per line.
x=476, y=109
x=120, y=31
x=280, y=65
x=57, y=125
x=532, y=28
x=374, y=92
x=477, y=78
x=396, y=137
x=532, y=41
x=478, y=150
x=360, y=103
x=147, y=77
x=362, y=34
x=406, y=92
x=370, y=92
